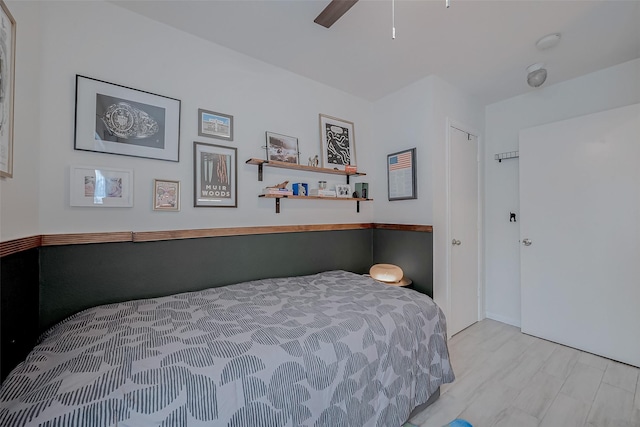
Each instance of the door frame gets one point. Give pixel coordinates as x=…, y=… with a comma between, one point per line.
x=480, y=199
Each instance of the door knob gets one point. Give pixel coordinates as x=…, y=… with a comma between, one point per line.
x=526, y=242
x=456, y=242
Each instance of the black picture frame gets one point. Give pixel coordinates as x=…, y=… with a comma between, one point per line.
x=401, y=175
x=116, y=119
x=337, y=142
x=215, y=176
x=215, y=125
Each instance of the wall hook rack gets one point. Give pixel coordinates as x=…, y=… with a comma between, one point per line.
x=508, y=155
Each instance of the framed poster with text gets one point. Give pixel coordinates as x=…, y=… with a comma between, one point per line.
x=215, y=170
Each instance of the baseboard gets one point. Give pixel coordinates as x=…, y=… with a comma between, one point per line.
x=503, y=319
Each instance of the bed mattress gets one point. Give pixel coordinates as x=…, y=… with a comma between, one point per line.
x=331, y=349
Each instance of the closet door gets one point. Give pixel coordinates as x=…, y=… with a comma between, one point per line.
x=580, y=232
x=463, y=196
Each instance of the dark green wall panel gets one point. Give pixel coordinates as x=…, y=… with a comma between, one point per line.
x=411, y=250
x=18, y=307
x=76, y=277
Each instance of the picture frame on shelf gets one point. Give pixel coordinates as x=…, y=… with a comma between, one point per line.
x=343, y=190
x=215, y=125
x=337, y=140
x=401, y=175
x=215, y=175
x=7, y=88
x=166, y=195
x=116, y=119
x=100, y=187
x=282, y=148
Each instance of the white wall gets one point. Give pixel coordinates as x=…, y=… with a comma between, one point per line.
x=104, y=41
x=19, y=195
x=417, y=116
x=599, y=91
x=404, y=120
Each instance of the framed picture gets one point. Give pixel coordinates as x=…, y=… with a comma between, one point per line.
x=166, y=195
x=401, y=175
x=343, y=190
x=282, y=148
x=215, y=125
x=116, y=119
x=338, y=145
x=7, y=78
x=215, y=175
x=101, y=187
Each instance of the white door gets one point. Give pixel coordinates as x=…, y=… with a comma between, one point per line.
x=580, y=214
x=463, y=196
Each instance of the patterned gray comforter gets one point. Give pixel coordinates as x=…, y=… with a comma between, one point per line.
x=331, y=349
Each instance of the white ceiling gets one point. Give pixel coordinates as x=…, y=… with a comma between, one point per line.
x=482, y=47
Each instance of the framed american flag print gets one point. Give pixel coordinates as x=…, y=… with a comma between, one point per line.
x=401, y=175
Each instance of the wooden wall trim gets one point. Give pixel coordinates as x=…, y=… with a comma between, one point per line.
x=404, y=227
x=150, y=236
x=18, y=245
x=84, y=238
x=23, y=244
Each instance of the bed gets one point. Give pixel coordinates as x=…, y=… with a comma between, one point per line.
x=330, y=349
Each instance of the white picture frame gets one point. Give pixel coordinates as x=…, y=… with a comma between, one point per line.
x=100, y=187
x=343, y=190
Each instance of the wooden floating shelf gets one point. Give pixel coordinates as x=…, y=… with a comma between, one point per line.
x=284, y=165
x=294, y=166
x=346, y=199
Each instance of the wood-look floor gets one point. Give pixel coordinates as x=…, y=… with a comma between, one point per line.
x=508, y=379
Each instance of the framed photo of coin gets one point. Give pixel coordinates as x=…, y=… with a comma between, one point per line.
x=116, y=119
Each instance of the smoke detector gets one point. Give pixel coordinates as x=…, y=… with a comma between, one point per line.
x=536, y=74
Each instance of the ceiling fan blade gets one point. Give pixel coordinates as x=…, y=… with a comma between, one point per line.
x=333, y=12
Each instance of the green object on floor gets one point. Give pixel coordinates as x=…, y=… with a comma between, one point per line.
x=458, y=423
